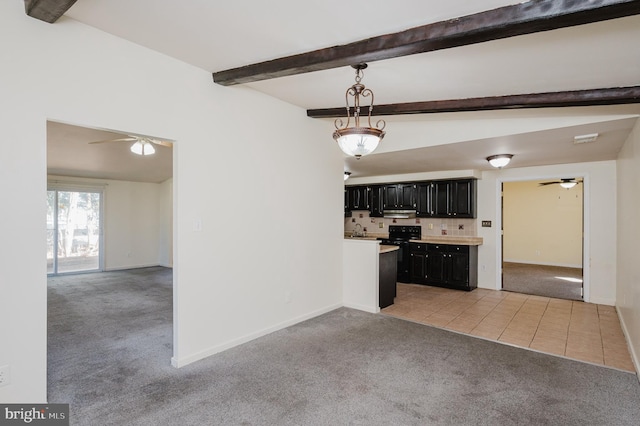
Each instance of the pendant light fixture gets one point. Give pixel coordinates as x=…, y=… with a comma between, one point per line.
x=346, y=175
x=357, y=141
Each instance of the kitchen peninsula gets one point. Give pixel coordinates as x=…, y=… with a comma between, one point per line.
x=368, y=274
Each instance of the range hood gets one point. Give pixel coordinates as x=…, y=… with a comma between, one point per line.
x=400, y=214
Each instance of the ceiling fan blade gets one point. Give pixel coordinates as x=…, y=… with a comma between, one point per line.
x=547, y=183
x=115, y=140
x=161, y=143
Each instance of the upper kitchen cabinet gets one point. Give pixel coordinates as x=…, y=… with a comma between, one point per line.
x=356, y=198
x=399, y=196
x=376, y=201
x=463, y=198
x=453, y=198
x=424, y=203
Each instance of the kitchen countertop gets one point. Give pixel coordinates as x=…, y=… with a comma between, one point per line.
x=450, y=239
x=387, y=249
x=432, y=239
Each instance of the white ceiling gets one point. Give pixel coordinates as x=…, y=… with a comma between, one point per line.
x=216, y=37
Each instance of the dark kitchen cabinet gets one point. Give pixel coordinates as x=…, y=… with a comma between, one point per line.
x=399, y=196
x=387, y=278
x=452, y=266
x=357, y=198
x=444, y=265
x=376, y=201
x=463, y=198
x=454, y=198
x=424, y=204
x=418, y=263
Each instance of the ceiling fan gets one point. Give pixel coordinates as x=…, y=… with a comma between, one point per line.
x=565, y=183
x=141, y=145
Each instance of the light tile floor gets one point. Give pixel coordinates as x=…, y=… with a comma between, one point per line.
x=577, y=330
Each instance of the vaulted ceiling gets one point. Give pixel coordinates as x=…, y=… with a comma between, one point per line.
x=464, y=50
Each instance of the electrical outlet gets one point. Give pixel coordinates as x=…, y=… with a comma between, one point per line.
x=5, y=377
x=431, y=226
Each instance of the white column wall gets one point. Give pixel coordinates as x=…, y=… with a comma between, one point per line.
x=628, y=208
x=233, y=162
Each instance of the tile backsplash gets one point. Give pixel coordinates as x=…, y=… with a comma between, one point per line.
x=452, y=227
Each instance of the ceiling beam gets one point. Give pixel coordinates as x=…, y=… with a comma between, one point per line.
x=524, y=18
x=612, y=96
x=47, y=10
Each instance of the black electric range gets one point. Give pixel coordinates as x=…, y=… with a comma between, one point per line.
x=399, y=235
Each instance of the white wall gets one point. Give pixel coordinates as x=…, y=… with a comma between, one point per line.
x=628, y=283
x=233, y=162
x=542, y=224
x=133, y=221
x=599, y=215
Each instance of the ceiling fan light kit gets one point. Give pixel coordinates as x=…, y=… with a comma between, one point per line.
x=143, y=148
x=500, y=160
x=566, y=183
x=357, y=141
x=346, y=175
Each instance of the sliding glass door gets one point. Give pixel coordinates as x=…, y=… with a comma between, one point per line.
x=73, y=231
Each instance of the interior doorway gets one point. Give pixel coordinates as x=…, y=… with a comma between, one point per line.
x=112, y=205
x=543, y=237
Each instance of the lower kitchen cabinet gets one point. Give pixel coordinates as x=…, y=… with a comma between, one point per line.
x=444, y=265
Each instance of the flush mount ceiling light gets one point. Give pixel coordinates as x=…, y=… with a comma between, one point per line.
x=357, y=141
x=500, y=160
x=143, y=147
x=346, y=175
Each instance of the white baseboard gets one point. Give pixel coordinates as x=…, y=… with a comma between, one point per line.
x=599, y=301
x=564, y=265
x=362, y=307
x=634, y=355
x=123, y=268
x=181, y=362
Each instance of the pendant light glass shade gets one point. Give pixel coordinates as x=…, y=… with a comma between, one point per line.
x=143, y=148
x=357, y=141
x=500, y=160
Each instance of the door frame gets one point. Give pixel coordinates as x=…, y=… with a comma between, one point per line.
x=586, y=225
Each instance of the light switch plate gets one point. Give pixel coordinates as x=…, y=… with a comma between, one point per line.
x=486, y=224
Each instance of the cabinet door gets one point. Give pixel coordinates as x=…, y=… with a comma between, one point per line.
x=463, y=198
x=391, y=197
x=458, y=266
x=423, y=200
x=437, y=266
x=440, y=198
x=406, y=197
x=418, y=267
x=376, y=201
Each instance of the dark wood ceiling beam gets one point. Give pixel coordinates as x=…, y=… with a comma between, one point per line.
x=525, y=18
x=47, y=10
x=612, y=96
